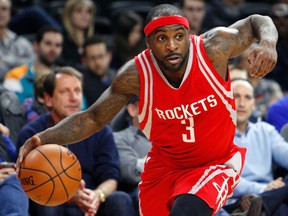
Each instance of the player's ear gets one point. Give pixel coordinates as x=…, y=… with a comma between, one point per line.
x=147, y=40
x=47, y=100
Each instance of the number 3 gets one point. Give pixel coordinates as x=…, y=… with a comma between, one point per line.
x=189, y=138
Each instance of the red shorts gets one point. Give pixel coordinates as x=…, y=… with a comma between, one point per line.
x=214, y=183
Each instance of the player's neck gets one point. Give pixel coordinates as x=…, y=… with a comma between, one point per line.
x=174, y=77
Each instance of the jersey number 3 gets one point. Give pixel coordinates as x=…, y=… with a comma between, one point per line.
x=189, y=137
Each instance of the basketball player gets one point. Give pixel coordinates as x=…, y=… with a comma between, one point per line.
x=186, y=110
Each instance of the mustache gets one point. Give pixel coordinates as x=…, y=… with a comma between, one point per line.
x=172, y=54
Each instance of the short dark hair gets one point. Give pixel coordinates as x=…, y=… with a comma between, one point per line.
x=49, y=83
x=40, y=34
x=163, y=10
x=95, y=40
x=39, y=85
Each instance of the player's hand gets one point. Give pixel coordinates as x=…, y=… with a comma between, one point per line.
x=262, y=59
x=28, y=146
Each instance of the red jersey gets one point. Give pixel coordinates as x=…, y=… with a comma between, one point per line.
x=191, y=125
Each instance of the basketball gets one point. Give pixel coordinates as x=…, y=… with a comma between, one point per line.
x=50, y=174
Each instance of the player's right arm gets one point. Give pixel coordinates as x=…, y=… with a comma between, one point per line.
x=83, y=124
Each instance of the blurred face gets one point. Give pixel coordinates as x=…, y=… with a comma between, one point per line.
x=67, y=97
x=97, y=59
x=135, y=35
x=133, y=112
x=245, y=102
x=82, y=17
x=170, y=45
x=238, y=73
x=5, y=7
x=50, y=48
x=194, y=10
x=280, y=18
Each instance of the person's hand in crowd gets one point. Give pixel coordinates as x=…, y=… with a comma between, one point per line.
x=4, y=130
x=5, y=173
x=277, y=183
x=87, y=200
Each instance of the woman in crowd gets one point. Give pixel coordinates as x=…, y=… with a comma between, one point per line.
x=78, y=21
x=128, y=38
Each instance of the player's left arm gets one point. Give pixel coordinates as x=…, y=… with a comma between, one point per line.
x=221, y=44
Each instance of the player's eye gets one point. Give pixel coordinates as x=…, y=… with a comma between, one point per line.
x=179, y=36
x=161, y=38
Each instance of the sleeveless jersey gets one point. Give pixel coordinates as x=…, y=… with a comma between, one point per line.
x=191, y=125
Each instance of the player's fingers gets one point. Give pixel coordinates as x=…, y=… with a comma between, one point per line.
x=251, y=59
x=19, y=161
x=35, y=141
x=256, y=63
x=267, y=65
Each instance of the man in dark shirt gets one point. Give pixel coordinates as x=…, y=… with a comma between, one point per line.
x=97, y=72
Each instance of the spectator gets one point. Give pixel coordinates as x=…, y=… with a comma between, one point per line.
x=14, y=49
x=78, y=21
x=279, y=14
x=277, y=114
x=128, y=38
x=12, y=197
x=133, y=147
x=97, y=154
x=98, y=74
x=48, y=48
x=195, y=11
x=265, y=146
x=11, y=113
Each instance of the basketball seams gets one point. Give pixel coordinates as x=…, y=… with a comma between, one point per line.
x=37, y=170
x=55, y=157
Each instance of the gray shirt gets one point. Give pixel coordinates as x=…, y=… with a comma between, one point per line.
x=14, y=51
x=132, y=148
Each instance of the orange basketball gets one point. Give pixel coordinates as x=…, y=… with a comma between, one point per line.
x=50, y=174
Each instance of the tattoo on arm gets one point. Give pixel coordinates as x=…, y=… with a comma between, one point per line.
x=83, y=124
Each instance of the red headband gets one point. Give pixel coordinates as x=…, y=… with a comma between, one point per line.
x=165, y=20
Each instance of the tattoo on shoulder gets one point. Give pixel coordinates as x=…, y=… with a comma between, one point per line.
x=224, y=43
x=127, y=80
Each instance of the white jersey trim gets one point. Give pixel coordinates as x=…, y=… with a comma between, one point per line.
x=148, y=95
x=207, y=74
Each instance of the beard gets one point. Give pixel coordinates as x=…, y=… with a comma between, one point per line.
x=46, y=61
x=172, y=68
